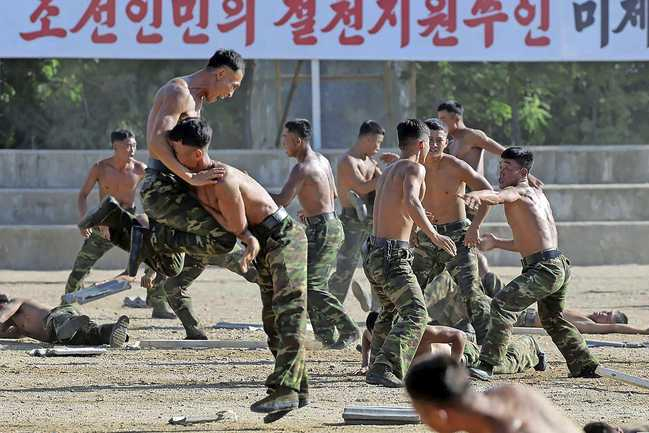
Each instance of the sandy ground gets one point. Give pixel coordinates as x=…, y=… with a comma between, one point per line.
x=138, y=391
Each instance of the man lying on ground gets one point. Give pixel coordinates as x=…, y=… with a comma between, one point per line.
x=60, y=325
x=442, y=396
x=522, y=353
x=602, y=427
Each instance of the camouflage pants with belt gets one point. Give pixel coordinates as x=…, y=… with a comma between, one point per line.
x=390, y=274
x=325, y=311
x=431, y=261
x=521, y=354
x=282, y=267
x=59, y=321
x=169, y=201
x=349, y=255
x=546, y=283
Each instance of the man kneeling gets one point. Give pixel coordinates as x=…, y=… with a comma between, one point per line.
x=60, y=325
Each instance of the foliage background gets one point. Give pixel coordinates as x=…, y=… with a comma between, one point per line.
x=74, y=104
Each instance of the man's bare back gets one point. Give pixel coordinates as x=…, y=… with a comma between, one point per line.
x=22, y=318
x=391, y=218
x=356, y=173
x=520, y=409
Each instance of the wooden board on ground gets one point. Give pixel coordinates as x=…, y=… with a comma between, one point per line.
x=519, y=330
x=202, y=344
x=248, y=326
x=620, y=344
x=68, y=351
x=622, y=377
x=380, y=415
x=21, y=344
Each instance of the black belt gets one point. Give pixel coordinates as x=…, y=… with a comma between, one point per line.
x=382, y=242
x=156, y=165
x=270, y=222
x=451, y=227
x=539, y=257
x=323, y=217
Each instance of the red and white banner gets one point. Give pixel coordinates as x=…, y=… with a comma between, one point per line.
x=454, y=30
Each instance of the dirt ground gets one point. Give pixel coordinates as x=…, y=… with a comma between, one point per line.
x=138, y=391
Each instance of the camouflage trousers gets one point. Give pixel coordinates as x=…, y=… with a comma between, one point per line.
x=546, y=283
x=59, y=318
x=521, y=354
x=325, y=311
x=91, y=251
x=431, y=261
x=282, y=267
x=349, y=255
x=169, y=201
x=402, y=319
x=176, y=288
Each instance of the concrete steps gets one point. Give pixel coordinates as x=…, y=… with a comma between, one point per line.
x=615, y=202
x=54, y=247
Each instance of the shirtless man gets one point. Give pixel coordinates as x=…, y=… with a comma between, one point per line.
x=278, y=244
x=119, y=177
x=469, y=145
x=446, y=178
x=546, y=271
x=387, y=258
x=60, y=325
x=165, y=194
x=522, y=353
x=357, y=171
x=598, y=322
x=445, y=401
x=312, y=180
x=602, y=427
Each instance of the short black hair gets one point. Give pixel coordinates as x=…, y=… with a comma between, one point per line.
x=620, y=317
x=370, y=320
x=439, y=380
x=523, y=156
x=299, y=127
x=229, y=58
x=451, y=107
x=371, y=127
x=598, y=427
x=434, y=124
x=120, y=135
x=4, y=299
x=192, y=131
x=411, y=129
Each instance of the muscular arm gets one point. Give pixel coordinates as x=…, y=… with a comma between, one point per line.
x=86, y=189
x=489, y=242
x=291, y=187
x=353, y=175
x=444, y=334
x=588, y=327
x=366, y=345
x=174, y=102
x=483, y=141
x=476, y=182
x=491, y=198
x=9, y=309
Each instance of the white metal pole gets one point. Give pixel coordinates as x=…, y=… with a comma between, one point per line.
x=315, y=104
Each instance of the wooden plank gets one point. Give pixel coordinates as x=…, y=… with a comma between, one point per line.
x=222, y=415
x=519, y=330
x=380, y=415
x=622, y=377
x=620, y=344
x=202, y=344
x=68, y=351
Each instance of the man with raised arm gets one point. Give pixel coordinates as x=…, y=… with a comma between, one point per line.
x=546, y=271
x=387, y=259
x=312, y=181
x=446, y=179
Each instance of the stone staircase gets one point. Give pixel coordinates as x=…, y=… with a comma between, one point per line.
x=600, y=197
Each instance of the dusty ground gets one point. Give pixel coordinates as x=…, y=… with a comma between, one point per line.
x=138, y=391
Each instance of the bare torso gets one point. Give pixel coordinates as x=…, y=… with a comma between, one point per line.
x=443, y=184
x=257, y=201
x=532, y=222
x=317, y=191
x=351, y=168
x=189, y=106
x=462, y=147
x=521, y=409
x=119, y=182
x=391, y=220
x=27, y=320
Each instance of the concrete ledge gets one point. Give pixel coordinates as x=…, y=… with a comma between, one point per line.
x=586, y=244
x=554, y=165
